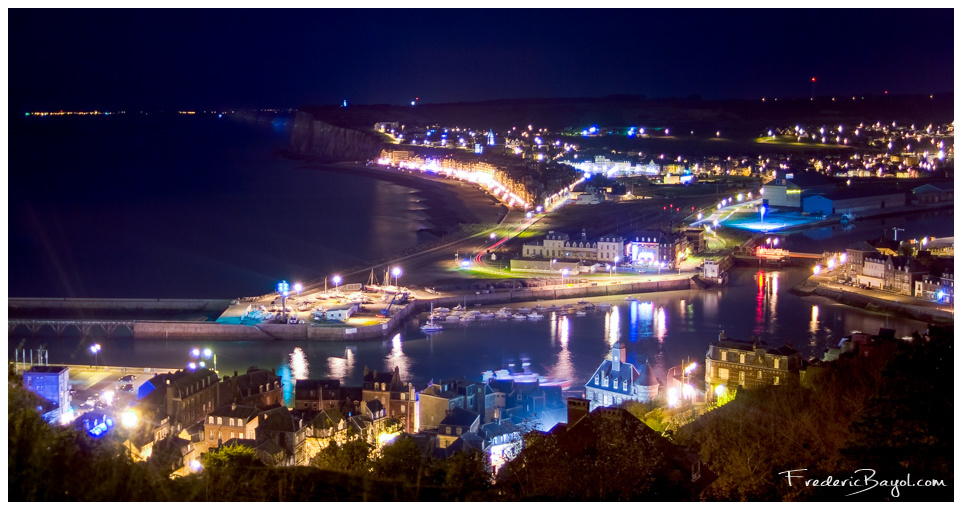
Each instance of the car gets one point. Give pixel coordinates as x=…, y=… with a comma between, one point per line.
x=127, y=387
x=127, y=378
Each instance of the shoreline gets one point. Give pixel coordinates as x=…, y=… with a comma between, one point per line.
x=448, y=203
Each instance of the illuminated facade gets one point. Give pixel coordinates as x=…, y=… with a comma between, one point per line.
x=399, y=398
x=749, y=364
x=53, y=384
x=616, y=381
x=558, y=245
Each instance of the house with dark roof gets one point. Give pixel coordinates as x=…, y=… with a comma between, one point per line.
x=399, y=398
x=753, y=364
x=279, y=425
x=317, y=394
x=436, y=401
x=191, y=397
x=458, y=421
x=229, y=422
x=617, y=381
x=255, y=388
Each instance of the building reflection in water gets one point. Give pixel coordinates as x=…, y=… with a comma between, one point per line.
x=341, y=368
x=396, y=358
x=813, y=325
x=613, y=326
x=299, y=366
x=661, y=324
x=564, y=368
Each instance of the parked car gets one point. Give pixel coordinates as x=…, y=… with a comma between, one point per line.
x=127, y=378
x=127, y=387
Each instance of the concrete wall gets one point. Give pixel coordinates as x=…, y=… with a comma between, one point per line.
x=214, y=330
x=117, y=304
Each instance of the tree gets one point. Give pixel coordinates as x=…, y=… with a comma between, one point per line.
x=351, y=457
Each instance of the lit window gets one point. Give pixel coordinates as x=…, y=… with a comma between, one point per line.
x=741, y=358
x=776, y=363
x=724, y=355
x=220, y=421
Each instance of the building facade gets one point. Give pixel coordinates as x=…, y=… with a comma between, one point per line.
x=51, y=383
x=399, y=398
x=558, y=245
x=617, y=381
x=749, y=364
x=231, y=421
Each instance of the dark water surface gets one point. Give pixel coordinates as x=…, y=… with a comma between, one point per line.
x=185, y=206
x=663, y=328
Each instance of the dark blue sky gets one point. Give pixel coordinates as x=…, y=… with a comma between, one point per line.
x=151, y=58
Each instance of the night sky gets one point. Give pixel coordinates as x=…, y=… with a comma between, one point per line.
x=176, y=59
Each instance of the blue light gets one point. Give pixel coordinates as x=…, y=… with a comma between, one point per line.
x=283, y=287
x=465, y=263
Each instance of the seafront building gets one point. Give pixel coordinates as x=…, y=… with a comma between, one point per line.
x=617, y=381
x=753, y=364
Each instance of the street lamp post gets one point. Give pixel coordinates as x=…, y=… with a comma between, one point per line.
x=397, y=273
x=95, y=349
x=337, y=282
x=564, y=272
x=283, y=288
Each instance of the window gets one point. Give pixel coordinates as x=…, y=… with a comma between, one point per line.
x=240, y=422
x=741, y=377
x=723, y=374
x=241, y=435
x=776, y=379
x=776, y=363
x=210, y=419
x=230, y=422
x=596, y=379
x=759, y=374
x=232, y=435
x=724, y=355
x=220, y=421
x=741, y=358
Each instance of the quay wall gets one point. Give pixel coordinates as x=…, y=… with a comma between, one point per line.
x=310, y=332
x=115, y=303
x=921, y=313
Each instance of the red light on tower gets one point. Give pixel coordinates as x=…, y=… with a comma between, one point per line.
x=813, y=79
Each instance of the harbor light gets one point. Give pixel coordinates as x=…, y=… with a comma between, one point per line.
x=298, y=288
x=493, y=236
x=207, y=353
x=831, y=263
x=337, y=282
x=817, y=269
x=195, y=353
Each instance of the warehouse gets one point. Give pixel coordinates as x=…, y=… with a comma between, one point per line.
x=853, y=200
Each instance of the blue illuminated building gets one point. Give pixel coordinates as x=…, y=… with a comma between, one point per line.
x=53, y=384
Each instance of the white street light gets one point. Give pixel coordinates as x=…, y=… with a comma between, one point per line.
x=396, y=272
x=95, y=349
x=129, y=419
x=336, y=279
x=298, y=288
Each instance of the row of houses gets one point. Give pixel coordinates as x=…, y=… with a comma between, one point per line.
x=877, y=265
x=644, y=248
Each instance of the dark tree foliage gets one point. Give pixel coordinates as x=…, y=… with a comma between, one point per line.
x=351, y=457
x=908, y=427
x=893, y=409
x=618, y=465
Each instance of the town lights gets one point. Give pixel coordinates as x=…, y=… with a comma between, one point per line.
x=719, y=390
x=298, y=288
x=842, y=258
x=336, y=279
x=817, y=269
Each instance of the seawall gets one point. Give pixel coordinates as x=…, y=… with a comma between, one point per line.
x=63, y=308
x=310, y=332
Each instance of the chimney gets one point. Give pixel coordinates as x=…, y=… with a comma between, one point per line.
x=722, y=337
x=233, y=406
x=577, y=408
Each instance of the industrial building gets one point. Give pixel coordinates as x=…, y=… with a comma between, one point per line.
x=853, y=201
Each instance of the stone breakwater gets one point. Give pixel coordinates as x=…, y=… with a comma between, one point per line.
x=316, y=139
x=188, y=330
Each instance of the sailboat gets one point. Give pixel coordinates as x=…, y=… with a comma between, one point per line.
x=430, y=326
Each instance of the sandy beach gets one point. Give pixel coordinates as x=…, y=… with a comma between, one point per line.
x=447, y=202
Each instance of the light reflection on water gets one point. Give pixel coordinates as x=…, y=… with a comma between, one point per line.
x=660, y=329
